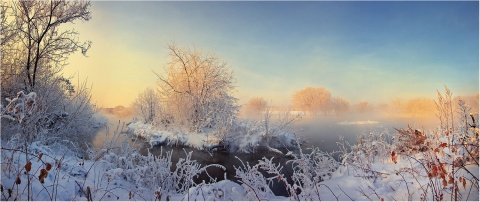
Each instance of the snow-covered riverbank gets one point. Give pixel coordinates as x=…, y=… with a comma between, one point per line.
x=239, y=137
x=124, y=174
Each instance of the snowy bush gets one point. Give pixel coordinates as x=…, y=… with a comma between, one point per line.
x=309, y=170
x=369, y=148
x=20, y=107
x=59, y=118
x=447, y=155
x=150, y=171
x=409, y=141
x=254, y=183
x=270, y=133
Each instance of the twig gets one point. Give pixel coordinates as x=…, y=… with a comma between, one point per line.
x=80, y=188
x=256, y=195
x=345, y=193
x=364, y=194
x=406, y=184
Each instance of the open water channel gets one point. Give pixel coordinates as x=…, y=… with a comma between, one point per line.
x=323, y=133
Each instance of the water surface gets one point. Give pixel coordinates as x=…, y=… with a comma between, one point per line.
x=321, y=132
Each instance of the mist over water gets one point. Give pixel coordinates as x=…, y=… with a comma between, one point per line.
x=111, y=120
x=324, y=132
x=320, y=131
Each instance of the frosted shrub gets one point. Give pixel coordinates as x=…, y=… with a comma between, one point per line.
x=154, y=172
x=20, y=107
x=253, y=181
x=317, y=165
x=439, y=163
x=449, y=153
x=65, y=116
x=270, y=133
x=309, y=170
x=21, y=113
x=370, y=148
x=409, y=140
x=79, y=121
x=150, y=171
x=248, y=136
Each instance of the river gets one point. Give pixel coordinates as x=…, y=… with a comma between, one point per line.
x=321, y=132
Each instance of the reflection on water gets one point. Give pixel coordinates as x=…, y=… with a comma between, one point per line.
x=321, y=132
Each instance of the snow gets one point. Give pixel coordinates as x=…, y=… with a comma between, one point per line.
x=373, y=169
x=389, y=187
x=224, y=190
x=157, y=137
x=242, y=137
x=21, y=106
x=114, y=177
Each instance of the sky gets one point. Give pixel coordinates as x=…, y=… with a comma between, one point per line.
x=361, y=51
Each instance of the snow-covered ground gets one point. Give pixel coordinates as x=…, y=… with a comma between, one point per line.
x=106, y=181
x=123, y=174
x=410, y=165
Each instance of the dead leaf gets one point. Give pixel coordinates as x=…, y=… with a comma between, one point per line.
x=28, y=166
x=18, y=181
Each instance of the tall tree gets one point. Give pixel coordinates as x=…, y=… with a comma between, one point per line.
x=148, y=105
x=35, y=47
x=197, y=89
x=37, y=35
x=340, y=105
x=313, y=100
x=256, y=106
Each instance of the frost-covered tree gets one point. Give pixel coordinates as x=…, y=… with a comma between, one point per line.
x=7, y=27
x=340, y=105
x=416, y=107
x=363, y=107
x=37, y=35
x=147, y=105
x=35, y=47
x=197, y=89
x=420, y=107
x=313, y=100
x=256, y=106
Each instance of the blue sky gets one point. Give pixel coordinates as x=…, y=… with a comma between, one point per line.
x=361, y=51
